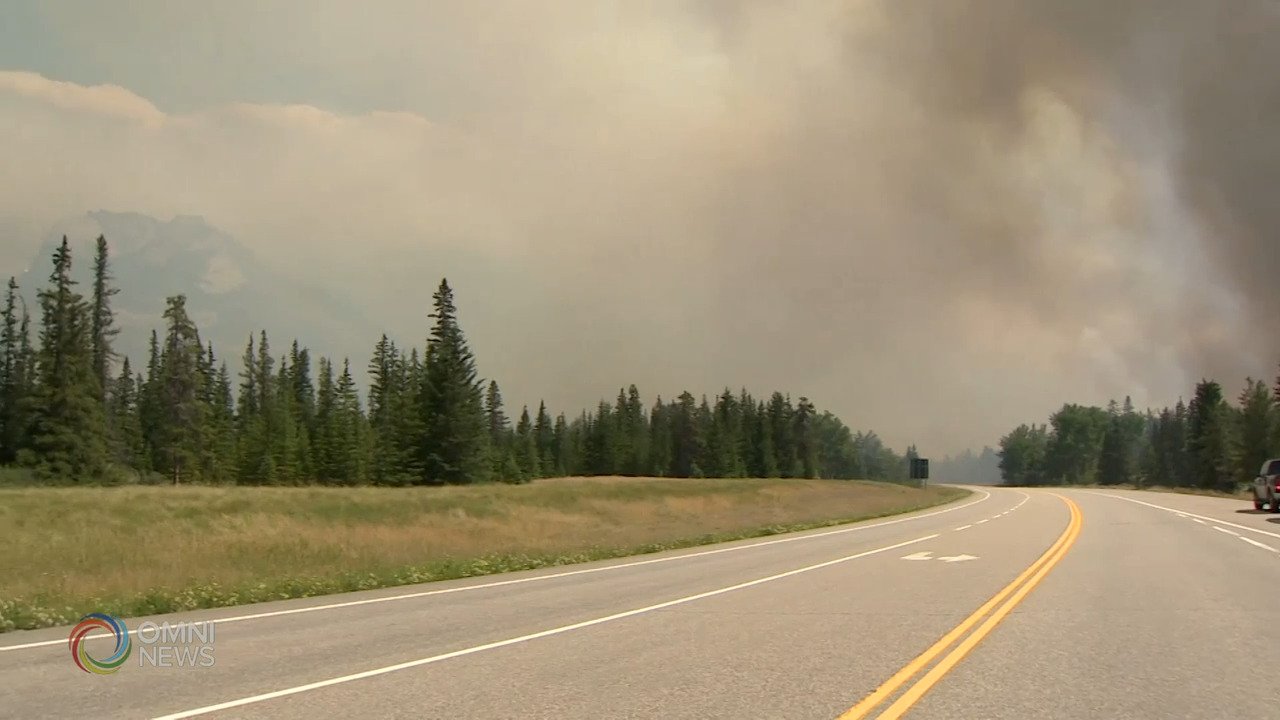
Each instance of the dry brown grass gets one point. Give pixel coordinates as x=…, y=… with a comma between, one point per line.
x=78, y=545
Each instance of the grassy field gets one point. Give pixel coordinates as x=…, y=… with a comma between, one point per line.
x=134, y=551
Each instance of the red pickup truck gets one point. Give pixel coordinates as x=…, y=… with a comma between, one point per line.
x=1266, y=487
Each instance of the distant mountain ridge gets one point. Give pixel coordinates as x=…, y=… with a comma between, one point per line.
x=230, y=292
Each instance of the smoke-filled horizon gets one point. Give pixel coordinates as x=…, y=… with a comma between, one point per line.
x=936, y=219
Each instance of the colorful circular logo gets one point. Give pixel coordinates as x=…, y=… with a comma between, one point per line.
x=99, y=621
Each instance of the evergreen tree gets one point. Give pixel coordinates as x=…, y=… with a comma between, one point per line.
x=1256, y=432
x=180, y=439
x=12, y=427
x=455, y=443
x=496, y=416
x=68, y=429
x=542, y=436
x=347, y=442
x=560, y=447
x=660, y=439
x=802, y=432
x=526, y=448
x=1113, y=463
x=129, y=446
x=103, y=316
x=1206, y=437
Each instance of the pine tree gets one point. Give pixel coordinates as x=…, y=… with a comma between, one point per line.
x=68, y=429
x=455, y=443
x=253, y=466
x=1256, y=430
x=346, y=444
x=128, y=446
x=180, y=437
x=103, y=317
x=11, y=381
x=1113, y=463
x=499, y=426
x=802, y=432
x=526, y=448
x=560, y=447
x=660, y=439
x=1206, y=437
x=219, y=459
x=381, y=406
x=542, y=437
x=780, y=425
x=689, y=448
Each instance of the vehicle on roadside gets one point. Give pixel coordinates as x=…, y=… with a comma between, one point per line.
x=1266, y=487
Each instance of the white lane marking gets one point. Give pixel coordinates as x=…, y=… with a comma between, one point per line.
x=1198, y=518
x=963, y=527
x=982, y=521
x=1255, y=543
x=525, y=638
x=958, y=558
x=1229, y=532
x=1182, y=515
x=538, y=578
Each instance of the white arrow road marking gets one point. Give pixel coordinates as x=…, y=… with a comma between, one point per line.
x=918, y=556
x=958, y=558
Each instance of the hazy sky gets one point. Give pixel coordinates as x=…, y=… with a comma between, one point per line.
x=937, y=218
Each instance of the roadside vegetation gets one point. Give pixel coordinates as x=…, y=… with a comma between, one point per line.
x=1208, y=445
x=177, y=482
x=134, y=551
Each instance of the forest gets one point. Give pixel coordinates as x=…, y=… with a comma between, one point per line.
x=73, y=412
x=1206, y=443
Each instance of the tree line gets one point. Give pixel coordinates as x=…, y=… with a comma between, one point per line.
x=72, y=411
x=1209, y=442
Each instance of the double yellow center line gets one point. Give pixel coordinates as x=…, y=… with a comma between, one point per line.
x=1018, y=589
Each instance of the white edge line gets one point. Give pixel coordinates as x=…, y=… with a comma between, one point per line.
x=1197, y=518
x=1255, y=543
x=525, y=638
x=537, y=578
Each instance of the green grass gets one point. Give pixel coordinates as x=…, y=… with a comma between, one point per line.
x=139, y=550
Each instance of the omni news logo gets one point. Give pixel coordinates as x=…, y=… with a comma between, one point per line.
x=182, y=644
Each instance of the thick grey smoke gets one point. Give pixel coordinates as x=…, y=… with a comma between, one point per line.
x=1175, y=244
x=1200, y=77
x=937, y=218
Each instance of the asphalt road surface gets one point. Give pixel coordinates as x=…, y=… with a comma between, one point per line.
x=1009, y=604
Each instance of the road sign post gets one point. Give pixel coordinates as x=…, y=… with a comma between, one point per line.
x=920, y=470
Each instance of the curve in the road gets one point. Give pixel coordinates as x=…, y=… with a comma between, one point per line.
x=1019, y=588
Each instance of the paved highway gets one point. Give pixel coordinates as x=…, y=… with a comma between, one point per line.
x=1010, y=604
